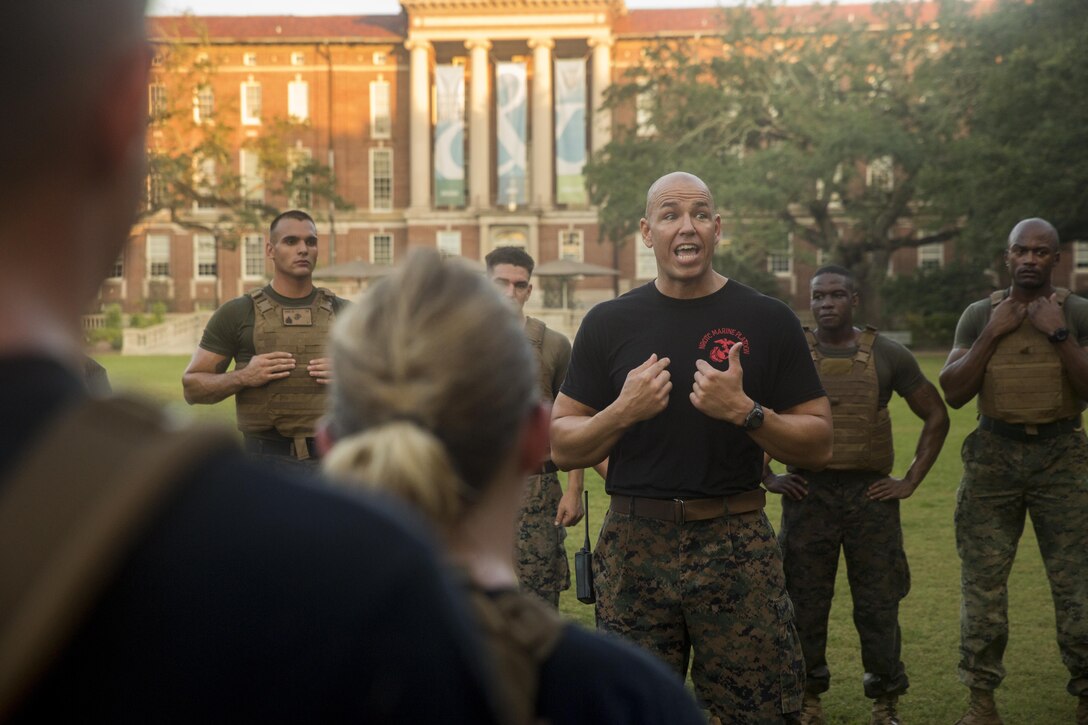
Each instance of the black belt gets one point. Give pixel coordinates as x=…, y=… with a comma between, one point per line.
x=273, y=447
x=680, y=511
x=1027, y=432
x=549, y=467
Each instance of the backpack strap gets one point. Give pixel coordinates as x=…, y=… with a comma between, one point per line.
x=534, y=330
x=69, y=513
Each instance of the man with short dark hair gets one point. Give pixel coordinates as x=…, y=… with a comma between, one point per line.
x=541, y=562
x=276, y=336
x=853, y=505
x=234, y=594
x=1022, y=353
x=687, y=564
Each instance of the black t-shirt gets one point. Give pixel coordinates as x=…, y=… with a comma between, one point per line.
x=255, y=597
x=681, y=452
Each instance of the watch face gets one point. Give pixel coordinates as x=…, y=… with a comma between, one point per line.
x=755, y=418
x=1060, y=335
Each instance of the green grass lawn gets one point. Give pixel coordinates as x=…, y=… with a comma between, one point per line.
x=1034, y=691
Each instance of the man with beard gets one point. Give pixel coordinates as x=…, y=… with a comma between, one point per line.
x=1022, y=352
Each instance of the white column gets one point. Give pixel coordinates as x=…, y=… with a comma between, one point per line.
x=479, y=126
x=543, y=155
x=420, y=123
x=601, y=128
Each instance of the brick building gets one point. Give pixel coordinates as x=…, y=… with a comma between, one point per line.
x=456, y=125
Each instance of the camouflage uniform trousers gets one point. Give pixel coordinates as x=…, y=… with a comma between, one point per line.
x=1002, y=480
x=713, y=588
x=541, y=563
x=836, y=514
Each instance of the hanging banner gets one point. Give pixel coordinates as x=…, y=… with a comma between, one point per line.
x=449, y=136
x=570, y=131
x=512, y=85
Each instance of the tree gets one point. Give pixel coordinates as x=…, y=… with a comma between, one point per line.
x=803, y=127
x=1016, y=79
x=193, y=153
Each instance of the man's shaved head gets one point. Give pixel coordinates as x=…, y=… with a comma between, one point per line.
x=1034, y=227
x=667, y=181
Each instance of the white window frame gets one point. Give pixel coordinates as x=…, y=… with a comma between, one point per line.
x=249, y=172
x=381, y=115
x=251, y=107
x=1080, y=255
x=645, y=260
x=298, y=58
x=380, y=57
x=572, y=239
x=204, y=255
x=158, y=102
x=117, y=271
x=374, y=240
x=249, y=58
x=158, y=256
x=448, y=242
x=931, y=255
x=298, y=156
x=775, y=259
x=375, y=154
x=644, y=117
x=203, y=103
x=204, y=177
x=298, y=99
x=880, y=173
x=253, y=256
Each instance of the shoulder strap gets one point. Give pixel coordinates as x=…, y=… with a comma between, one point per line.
x=75, y=504
x=325, y=298
x=810, y=336
x=534, y=330
x=1061, y=294
x=996, y=296
x=865, y=345
x=261, y=302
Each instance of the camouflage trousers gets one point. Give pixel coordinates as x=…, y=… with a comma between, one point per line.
x=541, y=561
x=713, y=590
x=1004, y=479
x=836, y=514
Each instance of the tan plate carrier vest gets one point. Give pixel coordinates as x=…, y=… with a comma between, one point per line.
x=1025, y=381
x=534, y=330
x=863, y=431
x=73, y=507
x=292, y=405
x=520, y=633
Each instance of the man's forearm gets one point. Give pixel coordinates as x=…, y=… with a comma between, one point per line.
x=583, y=441
x=210, y=388
x=961, y=379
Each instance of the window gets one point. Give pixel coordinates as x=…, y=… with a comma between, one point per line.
x=204, y=184
x=205, y=258
x=203, y=104
x=158, y=255
x=252, y=256
x=156, y=101
x=880, y=174
x=644, y=114
x=118, y=269
x=298, y=100
x=381, y=179
x=299, y=183
x=449, y=243
x=780, y=262
x=379, y=58
x=1080, y=255
x=249, y=168
x=298, y=58
x=381, y=248
x=571, y=245
x=156, y=191
x=251, y=103
x=381, y=122
x=645, y=261
x=931, y=256
x=249, y=59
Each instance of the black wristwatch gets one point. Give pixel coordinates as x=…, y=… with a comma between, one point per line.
x=754, y=419
x=1059, y=335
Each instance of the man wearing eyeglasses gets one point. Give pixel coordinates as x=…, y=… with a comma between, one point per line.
x=541, y=557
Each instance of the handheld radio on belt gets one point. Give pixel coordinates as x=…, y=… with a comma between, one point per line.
x=583, y=567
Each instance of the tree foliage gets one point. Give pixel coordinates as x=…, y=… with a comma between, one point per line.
x=193, y=174
x=1016, y=76
x=816, y=130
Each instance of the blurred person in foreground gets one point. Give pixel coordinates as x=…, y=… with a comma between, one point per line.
x=220, y=591
x=435, y=399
